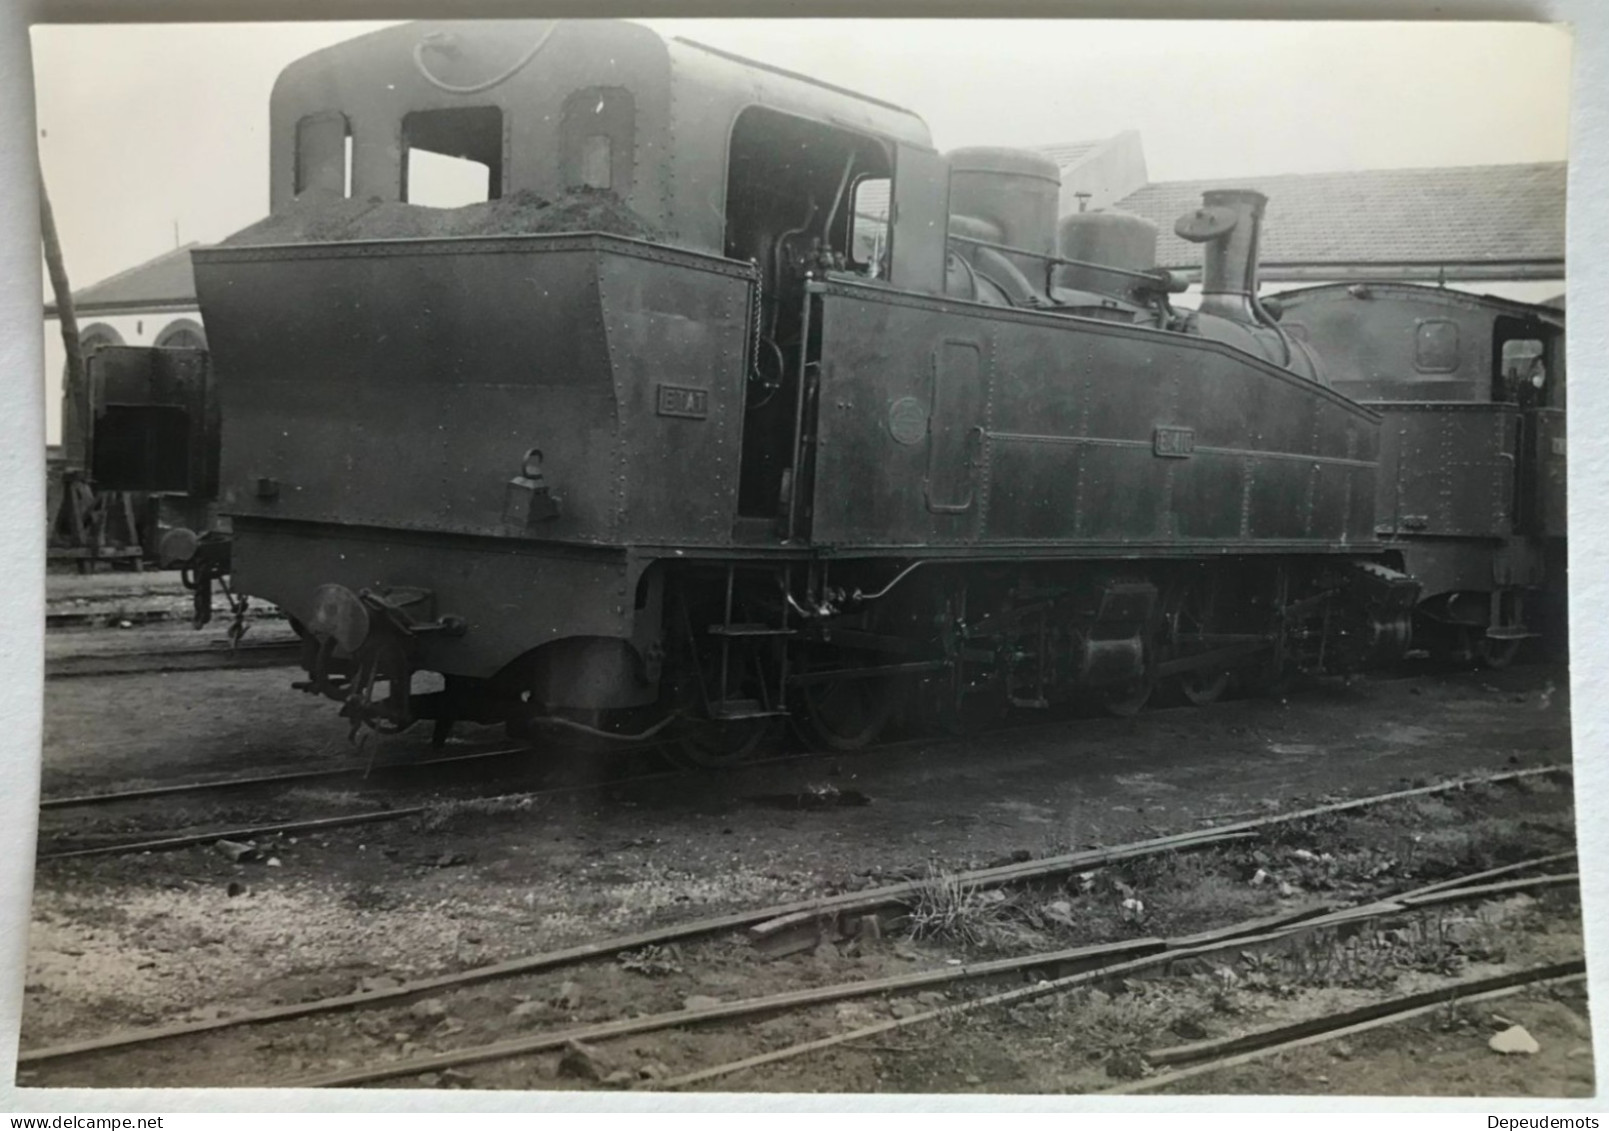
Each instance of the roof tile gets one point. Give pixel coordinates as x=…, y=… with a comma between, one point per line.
x=165, y=281
x=1471, y=213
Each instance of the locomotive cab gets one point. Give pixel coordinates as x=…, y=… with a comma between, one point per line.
x=564, y=266
x=791, y=193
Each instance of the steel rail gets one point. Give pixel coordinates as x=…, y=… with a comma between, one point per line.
x=185, y=840
x=745, y=1007
x=1267, y=1042
x=1152, y=952
x=85, y=799
x=189, y=840
x=1415, y=901
x=368, y=817
x=1493, y=873
x=267, y=654
x=1422, y=898
x=1196, y=946
x=527, y=965
x=1021, y=728
x=852, y=903
x=1026, y=727
x=809, y=909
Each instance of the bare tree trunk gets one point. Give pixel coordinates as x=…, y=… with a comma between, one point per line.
x=75, y=394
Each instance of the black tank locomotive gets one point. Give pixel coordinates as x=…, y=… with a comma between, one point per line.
x=790, y=454
x=1471, y=502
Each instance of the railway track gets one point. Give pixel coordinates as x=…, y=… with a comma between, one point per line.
x=1216, y=1056
x=112, y=796
x=256, y=654
x=1246, y=936
x=179, y=838
x=275, y=652
x=771, y=929
x=85, y=800
x=184, y=838
x=187, y=837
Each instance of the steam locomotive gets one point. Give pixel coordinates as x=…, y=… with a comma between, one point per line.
x=797, y=454
x=1471, y=391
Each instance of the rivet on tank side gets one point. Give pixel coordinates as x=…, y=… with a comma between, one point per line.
x=1250, y=474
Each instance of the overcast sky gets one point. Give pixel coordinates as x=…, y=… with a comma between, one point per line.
x=151, y=127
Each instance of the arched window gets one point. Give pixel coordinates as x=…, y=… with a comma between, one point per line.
x=182, y=333
x=75, y=403
x=96, y=335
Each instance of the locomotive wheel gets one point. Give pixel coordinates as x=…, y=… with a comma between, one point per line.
x=846, y=714
x=1128, y=699
x=1496, y=654
x=695, y=677
x=1191, y=613
x=1203, y=687
x=706, y=744
x=715, y=744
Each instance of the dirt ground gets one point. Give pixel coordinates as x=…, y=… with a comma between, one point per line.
x=489, y=874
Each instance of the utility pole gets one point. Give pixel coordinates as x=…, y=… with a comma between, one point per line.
x=75, y=406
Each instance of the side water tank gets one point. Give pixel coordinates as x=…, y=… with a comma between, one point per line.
x=1017, y=191
x=1114, y=239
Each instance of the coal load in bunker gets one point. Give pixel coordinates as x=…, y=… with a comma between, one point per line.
x=678, y=437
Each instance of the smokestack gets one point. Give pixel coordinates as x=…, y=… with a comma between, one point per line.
x=1229, y=223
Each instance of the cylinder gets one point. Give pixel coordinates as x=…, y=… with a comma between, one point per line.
x=1015, y=190
x=1112, y=239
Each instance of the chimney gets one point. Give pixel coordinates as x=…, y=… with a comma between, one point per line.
x=1229, y=223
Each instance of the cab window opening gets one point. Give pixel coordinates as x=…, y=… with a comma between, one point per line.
x=869, y=215
x=323, y=155
x=597, y=140
x=1522, y=370
x=792, y=191
x=452, y=157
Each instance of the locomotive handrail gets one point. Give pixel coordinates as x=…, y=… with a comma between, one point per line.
x=1057, y=260
x=858, y=595
x=443, y=41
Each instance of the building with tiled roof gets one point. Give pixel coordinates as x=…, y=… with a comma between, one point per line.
x=1463, y=224
x=164, y=283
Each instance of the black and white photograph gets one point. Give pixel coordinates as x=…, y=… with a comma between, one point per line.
x=833, y=556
